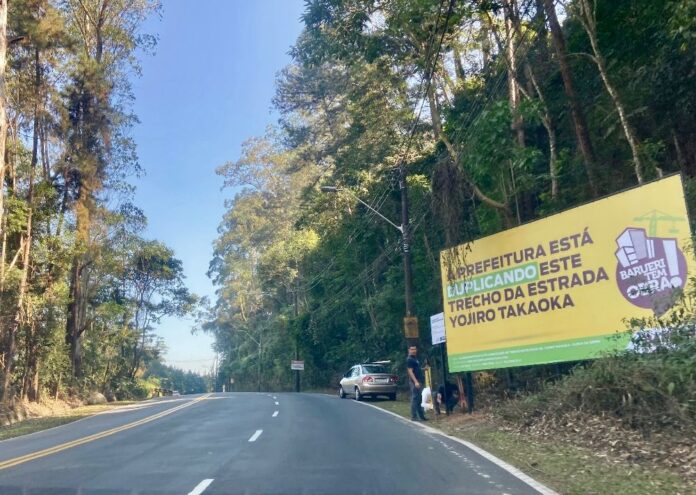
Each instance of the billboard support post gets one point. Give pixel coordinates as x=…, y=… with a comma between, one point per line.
x=469, y=392
x=444, y=377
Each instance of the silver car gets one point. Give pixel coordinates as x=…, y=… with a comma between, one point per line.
x=368, y=380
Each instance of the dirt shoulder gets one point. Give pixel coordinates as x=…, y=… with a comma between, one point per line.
x=30, y=417
x=561, y=463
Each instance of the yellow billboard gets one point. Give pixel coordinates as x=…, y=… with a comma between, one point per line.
x=561, y=288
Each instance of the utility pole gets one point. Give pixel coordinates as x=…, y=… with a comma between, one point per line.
x=410, y=321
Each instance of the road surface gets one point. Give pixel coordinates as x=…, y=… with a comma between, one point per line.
x=237, y=443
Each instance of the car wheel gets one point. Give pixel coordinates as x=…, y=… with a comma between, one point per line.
x=358, y=395
x=392, y=396
x=341, y=392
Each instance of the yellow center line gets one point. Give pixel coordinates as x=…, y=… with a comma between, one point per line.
x=96, y=436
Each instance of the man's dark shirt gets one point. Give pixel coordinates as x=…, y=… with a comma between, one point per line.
x=415, y=366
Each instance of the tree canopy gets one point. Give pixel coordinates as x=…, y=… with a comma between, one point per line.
x=80, y=286
x=500, y=112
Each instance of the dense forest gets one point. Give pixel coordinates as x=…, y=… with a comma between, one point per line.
x=492, y=113
x=80, y=285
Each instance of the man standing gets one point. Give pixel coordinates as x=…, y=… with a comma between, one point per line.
x=415, y=381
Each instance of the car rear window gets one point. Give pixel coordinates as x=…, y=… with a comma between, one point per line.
x=374, y=368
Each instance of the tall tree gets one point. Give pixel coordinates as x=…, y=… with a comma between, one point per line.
x=108, y=33
x=586, y=11
x=582, y=132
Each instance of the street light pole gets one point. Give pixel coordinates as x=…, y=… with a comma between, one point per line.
x=410, y=321
x=411, y=336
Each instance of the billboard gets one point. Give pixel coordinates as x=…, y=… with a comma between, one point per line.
x=561, y=288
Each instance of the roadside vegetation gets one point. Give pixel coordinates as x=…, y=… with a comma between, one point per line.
x=497, y=113
x=80, y=284
x=624, y=423
x=563, y=460
x=33, y=417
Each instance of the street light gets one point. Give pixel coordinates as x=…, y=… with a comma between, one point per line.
x=410, y=322
x=336, y=189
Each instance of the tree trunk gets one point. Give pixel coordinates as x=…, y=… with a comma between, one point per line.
x=589, y=22
x=458, y=66
x=3, y=111
x=20, y=311
x=90, y=184
x=485, y=49
x=503, y=208
x=513, y=83
x=541, y=41
x=545, y=116
x=578, y=116
x=77, y=309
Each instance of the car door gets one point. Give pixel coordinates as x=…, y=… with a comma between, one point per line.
x=346, y=381
x=354, y=379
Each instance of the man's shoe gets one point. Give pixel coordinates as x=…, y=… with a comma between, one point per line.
x=415, y=419
x=423, y=419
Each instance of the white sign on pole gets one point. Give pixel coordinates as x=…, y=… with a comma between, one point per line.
x=297, y=365
x=437, y=328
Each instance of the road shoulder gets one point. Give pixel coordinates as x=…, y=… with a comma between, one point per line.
x=54, y=418
x=561, y=466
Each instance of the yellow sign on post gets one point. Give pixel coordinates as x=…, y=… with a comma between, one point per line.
x=560, y=288
x=411, y=327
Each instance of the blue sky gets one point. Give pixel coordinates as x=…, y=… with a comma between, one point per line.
x=207, y=88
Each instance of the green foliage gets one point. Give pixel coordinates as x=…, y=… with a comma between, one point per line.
x=185, y=382
x=650, y=388
x=80, y=288
x=319, y=274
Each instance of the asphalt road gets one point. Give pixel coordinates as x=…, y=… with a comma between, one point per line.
x=238, y=443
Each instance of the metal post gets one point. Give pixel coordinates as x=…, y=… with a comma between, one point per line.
x=444, y=376
x=297, y=372
x=297, y=343
x=470, y=392
x=406, y=247
x=258, y=378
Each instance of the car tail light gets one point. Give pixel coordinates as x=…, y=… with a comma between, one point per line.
x=393, y=379
x=367, y=379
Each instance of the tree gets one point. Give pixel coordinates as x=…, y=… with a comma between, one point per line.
x=156, y=289
x=582, y=133
x=70, y=258
x=491, y=129
x=108, y=34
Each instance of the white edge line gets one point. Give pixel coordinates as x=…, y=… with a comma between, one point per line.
x=255, y=435
x=543, y=489
x=275, y=414
x=275, y=397
x=200, y=487
x=277, y=403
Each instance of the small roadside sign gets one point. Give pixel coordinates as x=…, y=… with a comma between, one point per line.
x=297, y=365
x=437, y=328
x=411, y=327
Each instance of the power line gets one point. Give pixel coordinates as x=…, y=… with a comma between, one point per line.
x=466, y=131
x=431, y=58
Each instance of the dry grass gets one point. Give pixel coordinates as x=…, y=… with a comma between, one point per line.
x=33, y=417
x=560, y=463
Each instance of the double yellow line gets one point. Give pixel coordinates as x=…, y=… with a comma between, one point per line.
x=96, y=436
